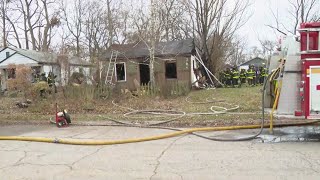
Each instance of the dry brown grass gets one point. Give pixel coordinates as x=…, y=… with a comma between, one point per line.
x=90, y=109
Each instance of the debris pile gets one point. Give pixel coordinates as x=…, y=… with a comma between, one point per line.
x=24, y=104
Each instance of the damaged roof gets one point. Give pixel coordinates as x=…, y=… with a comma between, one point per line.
x=76, y=61
x=141, y=49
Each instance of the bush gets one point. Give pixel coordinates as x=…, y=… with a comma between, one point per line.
x=77, y=78
x=87, y=92
x=175, y=89
x=148, y=90
x=22, y=80
x=38, y=89
x=166, y=90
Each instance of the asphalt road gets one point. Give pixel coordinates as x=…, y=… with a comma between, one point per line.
x=293, y=153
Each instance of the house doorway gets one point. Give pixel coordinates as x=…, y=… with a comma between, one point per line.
x=144, y=74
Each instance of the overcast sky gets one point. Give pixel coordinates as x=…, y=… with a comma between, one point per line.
x=261, y=10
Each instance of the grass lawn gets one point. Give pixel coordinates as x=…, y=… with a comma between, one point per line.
x=248, y=99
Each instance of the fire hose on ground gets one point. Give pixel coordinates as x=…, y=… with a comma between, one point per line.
x=162, y=136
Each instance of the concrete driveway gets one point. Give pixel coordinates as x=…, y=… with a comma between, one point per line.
x=294, y=153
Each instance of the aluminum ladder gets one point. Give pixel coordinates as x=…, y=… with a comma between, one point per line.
x=111, y=67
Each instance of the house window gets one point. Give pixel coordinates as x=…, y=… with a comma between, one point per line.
x=171, y=70
x=121, y=71
x=11, y=73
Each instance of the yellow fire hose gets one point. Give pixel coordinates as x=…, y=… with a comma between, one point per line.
x=275, y=104
x=151, y=138
x=272, y=111
x=277, y=92
x=135, y=140
x=124, y=141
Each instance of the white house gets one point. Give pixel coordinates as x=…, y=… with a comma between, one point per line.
x=257, y=62
x=40, y=62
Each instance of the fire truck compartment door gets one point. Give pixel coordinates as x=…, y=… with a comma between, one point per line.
x=314, y=89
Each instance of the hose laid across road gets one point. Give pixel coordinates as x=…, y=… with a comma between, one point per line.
x=135, y=140
x=163, y=136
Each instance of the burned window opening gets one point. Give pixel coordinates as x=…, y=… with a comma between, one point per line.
x=121, y=72
x=171, y=70
x=144, y=74
x=11, y=73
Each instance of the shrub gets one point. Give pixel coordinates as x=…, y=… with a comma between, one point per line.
x=148, y=90
x=77, y=78
x=175, y=89
x=22, y=80
x=38, y=89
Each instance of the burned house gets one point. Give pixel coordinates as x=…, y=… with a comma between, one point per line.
x=174, y=63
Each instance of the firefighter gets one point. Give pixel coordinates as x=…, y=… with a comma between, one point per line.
x=251, y=73
x=255, y=75
x=258, y=75
x=243, y=76
x=36, y=76
x=228, y=78
x=42, y=84
x=43, y=77
x=262, y=75
x=235, y=77
x=51, y=81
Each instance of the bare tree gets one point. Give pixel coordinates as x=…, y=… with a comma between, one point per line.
x=153, y=41
x=96, y=30
x=139, y=22
x=73, y=15
x=268, y=47
x=15, y=30
x=3, y=15
x=277, y=22
x=235, y=52
x=171, y=22
x=30, y=11
x=315, y=18
x=214, y=23
x=171, y=16
x=255, y=51
x=110, y=22
x=299, y=11
x=50, y=22
x=121, y=28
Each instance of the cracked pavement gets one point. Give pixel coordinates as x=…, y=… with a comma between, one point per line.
x=292, y=153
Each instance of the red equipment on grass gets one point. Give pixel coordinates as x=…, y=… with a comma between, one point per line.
x=62, y=118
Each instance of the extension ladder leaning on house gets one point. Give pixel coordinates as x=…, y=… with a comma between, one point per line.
x=111, y=67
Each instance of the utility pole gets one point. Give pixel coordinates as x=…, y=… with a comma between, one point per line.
x=152, y=40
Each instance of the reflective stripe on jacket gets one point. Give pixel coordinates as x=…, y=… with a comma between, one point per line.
x=235, y=74
x=251, y=74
